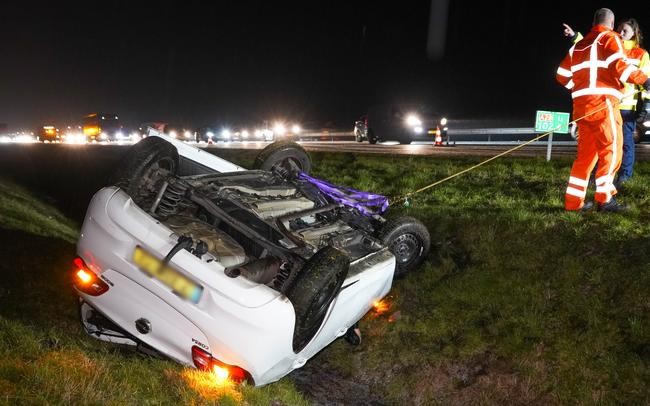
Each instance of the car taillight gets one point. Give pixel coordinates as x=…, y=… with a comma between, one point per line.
x=204, y=361
x=86, y=280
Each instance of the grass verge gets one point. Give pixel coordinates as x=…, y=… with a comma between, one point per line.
x=519, y=302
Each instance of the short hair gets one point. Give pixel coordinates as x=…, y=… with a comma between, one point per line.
x=603, y=16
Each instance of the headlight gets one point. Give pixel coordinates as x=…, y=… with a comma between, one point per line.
x=173, y=133
x=187, y=134
x=418, y=130
x=413, y=121
x=210, y=134
x=646, y=123
x=225, y=133
x=279, y=129
x=244, y=134
x=295, y=129
x=119, y=134
x=103, y=136
x=443, y=121
x=258, y=133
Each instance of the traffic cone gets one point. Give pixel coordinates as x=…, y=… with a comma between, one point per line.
x=438, y=140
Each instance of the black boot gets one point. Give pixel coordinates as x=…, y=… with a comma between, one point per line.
x=612, y=207
x=353, y=335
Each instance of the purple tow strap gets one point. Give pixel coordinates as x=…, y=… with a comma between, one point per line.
x=368, y=204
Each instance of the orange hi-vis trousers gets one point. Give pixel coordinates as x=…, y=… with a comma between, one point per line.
x=600, y=140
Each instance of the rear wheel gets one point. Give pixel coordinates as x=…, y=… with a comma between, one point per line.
x=313, y=290
x=371, y=137
x=286, y=156
x=409, y=240
x=144, y=168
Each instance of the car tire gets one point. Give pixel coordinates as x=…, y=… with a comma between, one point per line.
x=409, y=241
x=371, y=137
x=285, y=156
x=143, y=169
x=313, y=290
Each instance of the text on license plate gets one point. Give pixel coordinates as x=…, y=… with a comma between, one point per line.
x=178, y=283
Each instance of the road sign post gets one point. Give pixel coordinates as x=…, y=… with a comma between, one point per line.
x=551, y=121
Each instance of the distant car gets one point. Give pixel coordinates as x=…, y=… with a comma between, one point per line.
x=401, y=123
x=246, y=273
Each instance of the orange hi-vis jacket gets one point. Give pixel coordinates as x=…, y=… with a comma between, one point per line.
x=595, y=70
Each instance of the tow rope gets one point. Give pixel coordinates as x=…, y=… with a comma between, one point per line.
x=405, y=197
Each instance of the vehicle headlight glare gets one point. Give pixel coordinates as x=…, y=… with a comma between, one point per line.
x=443, y=121
x=413, y=121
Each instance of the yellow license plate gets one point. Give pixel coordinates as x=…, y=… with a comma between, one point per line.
x=178, y=283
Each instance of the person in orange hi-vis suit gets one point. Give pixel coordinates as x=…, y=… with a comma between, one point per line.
x=595, y=70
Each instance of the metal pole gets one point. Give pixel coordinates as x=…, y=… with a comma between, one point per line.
x=548, y=147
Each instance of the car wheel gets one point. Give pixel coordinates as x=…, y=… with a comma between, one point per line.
x=408, y=239
x=312, y=292
x=284, y=156
x=144, y=168
x=371, y=137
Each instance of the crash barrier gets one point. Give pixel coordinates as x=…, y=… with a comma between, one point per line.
x=405, y=197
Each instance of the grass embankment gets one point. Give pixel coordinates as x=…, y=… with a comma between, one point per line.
x=519, y=302
x=19, y=210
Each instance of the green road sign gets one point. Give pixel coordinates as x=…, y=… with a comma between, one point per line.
x=552, y=121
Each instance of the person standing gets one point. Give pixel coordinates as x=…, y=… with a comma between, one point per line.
x=637, y=56
x=594, y=70
x=632, y=45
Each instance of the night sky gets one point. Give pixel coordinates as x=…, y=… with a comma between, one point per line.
x=322, y=63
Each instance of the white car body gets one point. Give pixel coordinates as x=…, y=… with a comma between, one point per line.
x=237, y=321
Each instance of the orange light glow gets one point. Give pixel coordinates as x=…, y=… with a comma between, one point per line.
x=220, y=372
x=209, y=388
x=84, y=276
x=380, y=306
x=91, y=130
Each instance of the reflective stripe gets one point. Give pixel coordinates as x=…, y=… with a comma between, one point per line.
x=576, y=192
x=607, y=189
x=588, y=64
x=626, y=73
x=593, y=68
x=570, y=84
x=597, y=91
x=571, y=50
x=564, y=72
x=613, y=57
x=604, y=179
x=635, y=62
x=612, y=165
x=578, y=181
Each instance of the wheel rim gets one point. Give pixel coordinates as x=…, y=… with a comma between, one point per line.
x=289, y=164
x=406, y=248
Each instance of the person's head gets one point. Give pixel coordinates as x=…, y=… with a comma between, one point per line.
x=630, y=30
x=604, y=16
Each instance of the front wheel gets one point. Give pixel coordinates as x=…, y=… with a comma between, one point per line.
x=409, y=241
x=315, y=287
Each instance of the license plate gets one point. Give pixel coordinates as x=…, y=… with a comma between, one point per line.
x=177, y=282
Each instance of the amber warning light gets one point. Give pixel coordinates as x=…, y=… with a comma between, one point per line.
x=86, y=280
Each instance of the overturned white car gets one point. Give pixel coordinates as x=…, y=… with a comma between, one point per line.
x=248, y=273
